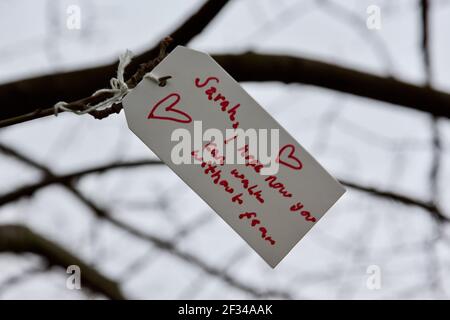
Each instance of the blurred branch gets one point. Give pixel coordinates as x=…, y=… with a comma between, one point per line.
x=427, y=206
x=197, y=262
x=23, y=158
x=288, y=69
x=33, y=98
x=435, y=134
x=170, y=246
x=159, y=243
x=29, y=190
x=20, y=239
x=430, y=248
x=256, y=67
x=23, y=276
x=64, y=179
x=425, y=29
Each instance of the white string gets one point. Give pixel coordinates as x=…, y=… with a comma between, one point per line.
x=118, y=88
x=150, y=75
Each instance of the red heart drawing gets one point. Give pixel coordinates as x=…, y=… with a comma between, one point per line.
x=291, y=161
x=170, y=109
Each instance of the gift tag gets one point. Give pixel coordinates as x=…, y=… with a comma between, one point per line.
x=230, y=151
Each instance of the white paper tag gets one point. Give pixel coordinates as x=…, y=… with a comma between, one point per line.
x=270, y=199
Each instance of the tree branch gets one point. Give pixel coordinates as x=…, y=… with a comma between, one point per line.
x=29, y=190
x=162, y=244
x=33, y=98
x=20, y=239
x=171, y=246
x=287, y=69
x=388, y=195
x=425, y=29
x=256, y=68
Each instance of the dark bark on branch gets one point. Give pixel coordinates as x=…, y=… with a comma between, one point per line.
x=193, y=260
x=68, y=180
x=435, y=132
x=425, y=26
x=288, y=69
x=29, y=190
x=162, y=244
x=244, y=67
x=20, y=239
x=427, y=206
x=64, y=179
x=34, y=98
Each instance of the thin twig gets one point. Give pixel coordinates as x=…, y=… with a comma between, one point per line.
x=32, y=100
x=29, y=190
x=162, y=244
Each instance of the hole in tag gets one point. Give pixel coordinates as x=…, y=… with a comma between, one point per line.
x=163, y=81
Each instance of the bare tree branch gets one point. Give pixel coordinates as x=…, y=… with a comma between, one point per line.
x=23, y=158
x=159, y=243
x=262, y=67
x=435, y=134
x=427, y=206
x=23, y=276
x=32, y=99
x=425, y=28
x=20, y=239
x=64, y=179
x=171, y=246
x=195, y=261
x=29, y=190
x=287, y=69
